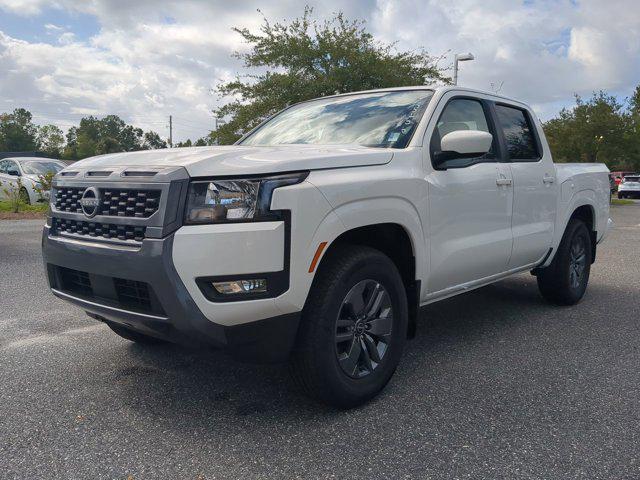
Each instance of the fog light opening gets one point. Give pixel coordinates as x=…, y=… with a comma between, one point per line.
x=235, y=287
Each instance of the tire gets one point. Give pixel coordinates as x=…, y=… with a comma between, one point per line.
x=323, y=362
x=564, y=282
x=24, y=196
x=620, y=196
x=134, y=336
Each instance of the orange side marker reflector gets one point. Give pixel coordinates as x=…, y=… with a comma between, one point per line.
x=317, y=256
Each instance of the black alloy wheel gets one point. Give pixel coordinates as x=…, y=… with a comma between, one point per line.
x=363, y=328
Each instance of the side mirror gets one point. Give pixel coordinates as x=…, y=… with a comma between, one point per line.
x=13, y=172
x=463, y=144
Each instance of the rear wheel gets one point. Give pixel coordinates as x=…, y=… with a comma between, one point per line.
x=353, y=328
x=134, y=336
x=620, y=195
x=565, y=280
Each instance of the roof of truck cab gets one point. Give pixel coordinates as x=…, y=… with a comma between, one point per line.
x=437, y=89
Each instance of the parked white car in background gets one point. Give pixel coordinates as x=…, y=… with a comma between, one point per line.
x=629, y=186
x=28, y=169
x=319, y=235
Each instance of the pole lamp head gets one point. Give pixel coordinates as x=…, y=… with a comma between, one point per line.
x=462, y=57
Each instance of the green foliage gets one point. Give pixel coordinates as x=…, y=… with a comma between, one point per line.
x=14, y=193
x=50, y=140
x=600, y=129
x=93, y=136
x=153, y=141
x=107, y=135
x=306, y=59
x=17, y=131
x=201, y=142
x=44, y=183
x=8, y=207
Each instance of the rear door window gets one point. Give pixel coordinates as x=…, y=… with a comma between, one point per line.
x=518, y=133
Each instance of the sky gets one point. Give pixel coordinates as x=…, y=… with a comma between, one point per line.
x=147, y=59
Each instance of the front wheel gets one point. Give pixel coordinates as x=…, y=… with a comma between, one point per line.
x=565, y=280
x=353, y=328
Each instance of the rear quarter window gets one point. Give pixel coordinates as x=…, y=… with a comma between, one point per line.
x=518, y=133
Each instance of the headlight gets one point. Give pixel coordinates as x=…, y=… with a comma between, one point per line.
x=219, y=201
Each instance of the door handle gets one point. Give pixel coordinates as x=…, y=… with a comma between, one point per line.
x=503, y=181
x=548, y=179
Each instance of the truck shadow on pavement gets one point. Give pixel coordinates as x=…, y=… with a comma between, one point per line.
x=183, y=387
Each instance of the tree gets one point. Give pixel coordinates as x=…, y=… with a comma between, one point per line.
x=634, y=104
x=110, y=134
x=50, y=140
x=595, y=130
x=634, y=130
x=153, y=141
x=201, y=142
x=307, y=59
x=17, y=131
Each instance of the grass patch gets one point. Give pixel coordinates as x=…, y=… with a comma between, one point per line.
x=25, y=211
x=621, y=201
x=38, y=207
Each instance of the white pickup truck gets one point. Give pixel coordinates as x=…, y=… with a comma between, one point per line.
x=318, y=236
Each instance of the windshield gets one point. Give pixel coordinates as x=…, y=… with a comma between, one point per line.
x=382, y=119
x=628, y=179
x=40, y=168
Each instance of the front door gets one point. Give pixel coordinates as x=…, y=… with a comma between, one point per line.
x=470, y=204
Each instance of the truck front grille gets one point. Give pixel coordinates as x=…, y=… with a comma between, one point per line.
x=116, y=202
x=98, y=230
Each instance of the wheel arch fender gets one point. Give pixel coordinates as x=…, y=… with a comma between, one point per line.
x=349, y=217
x=580, y=201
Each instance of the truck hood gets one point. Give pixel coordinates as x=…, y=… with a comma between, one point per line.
x=242, y=160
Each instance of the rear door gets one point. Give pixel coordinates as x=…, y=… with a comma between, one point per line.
x=470, y=202
x=534, y=184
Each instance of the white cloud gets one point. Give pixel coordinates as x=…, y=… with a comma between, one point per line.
x=151, y=59
x=66, y=38
x=51, y=28
x=22, y=7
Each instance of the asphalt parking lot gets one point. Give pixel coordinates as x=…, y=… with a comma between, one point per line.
x=497, y=384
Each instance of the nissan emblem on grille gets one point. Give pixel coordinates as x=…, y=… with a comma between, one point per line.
x=90, y=202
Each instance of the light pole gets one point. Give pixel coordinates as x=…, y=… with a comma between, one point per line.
x=460, y=57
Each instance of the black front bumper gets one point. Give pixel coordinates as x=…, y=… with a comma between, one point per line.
x=140, y=289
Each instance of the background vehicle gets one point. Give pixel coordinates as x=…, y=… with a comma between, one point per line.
x=630, y=186
x=619, y=175
x=317, y=238
x=28, y=169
